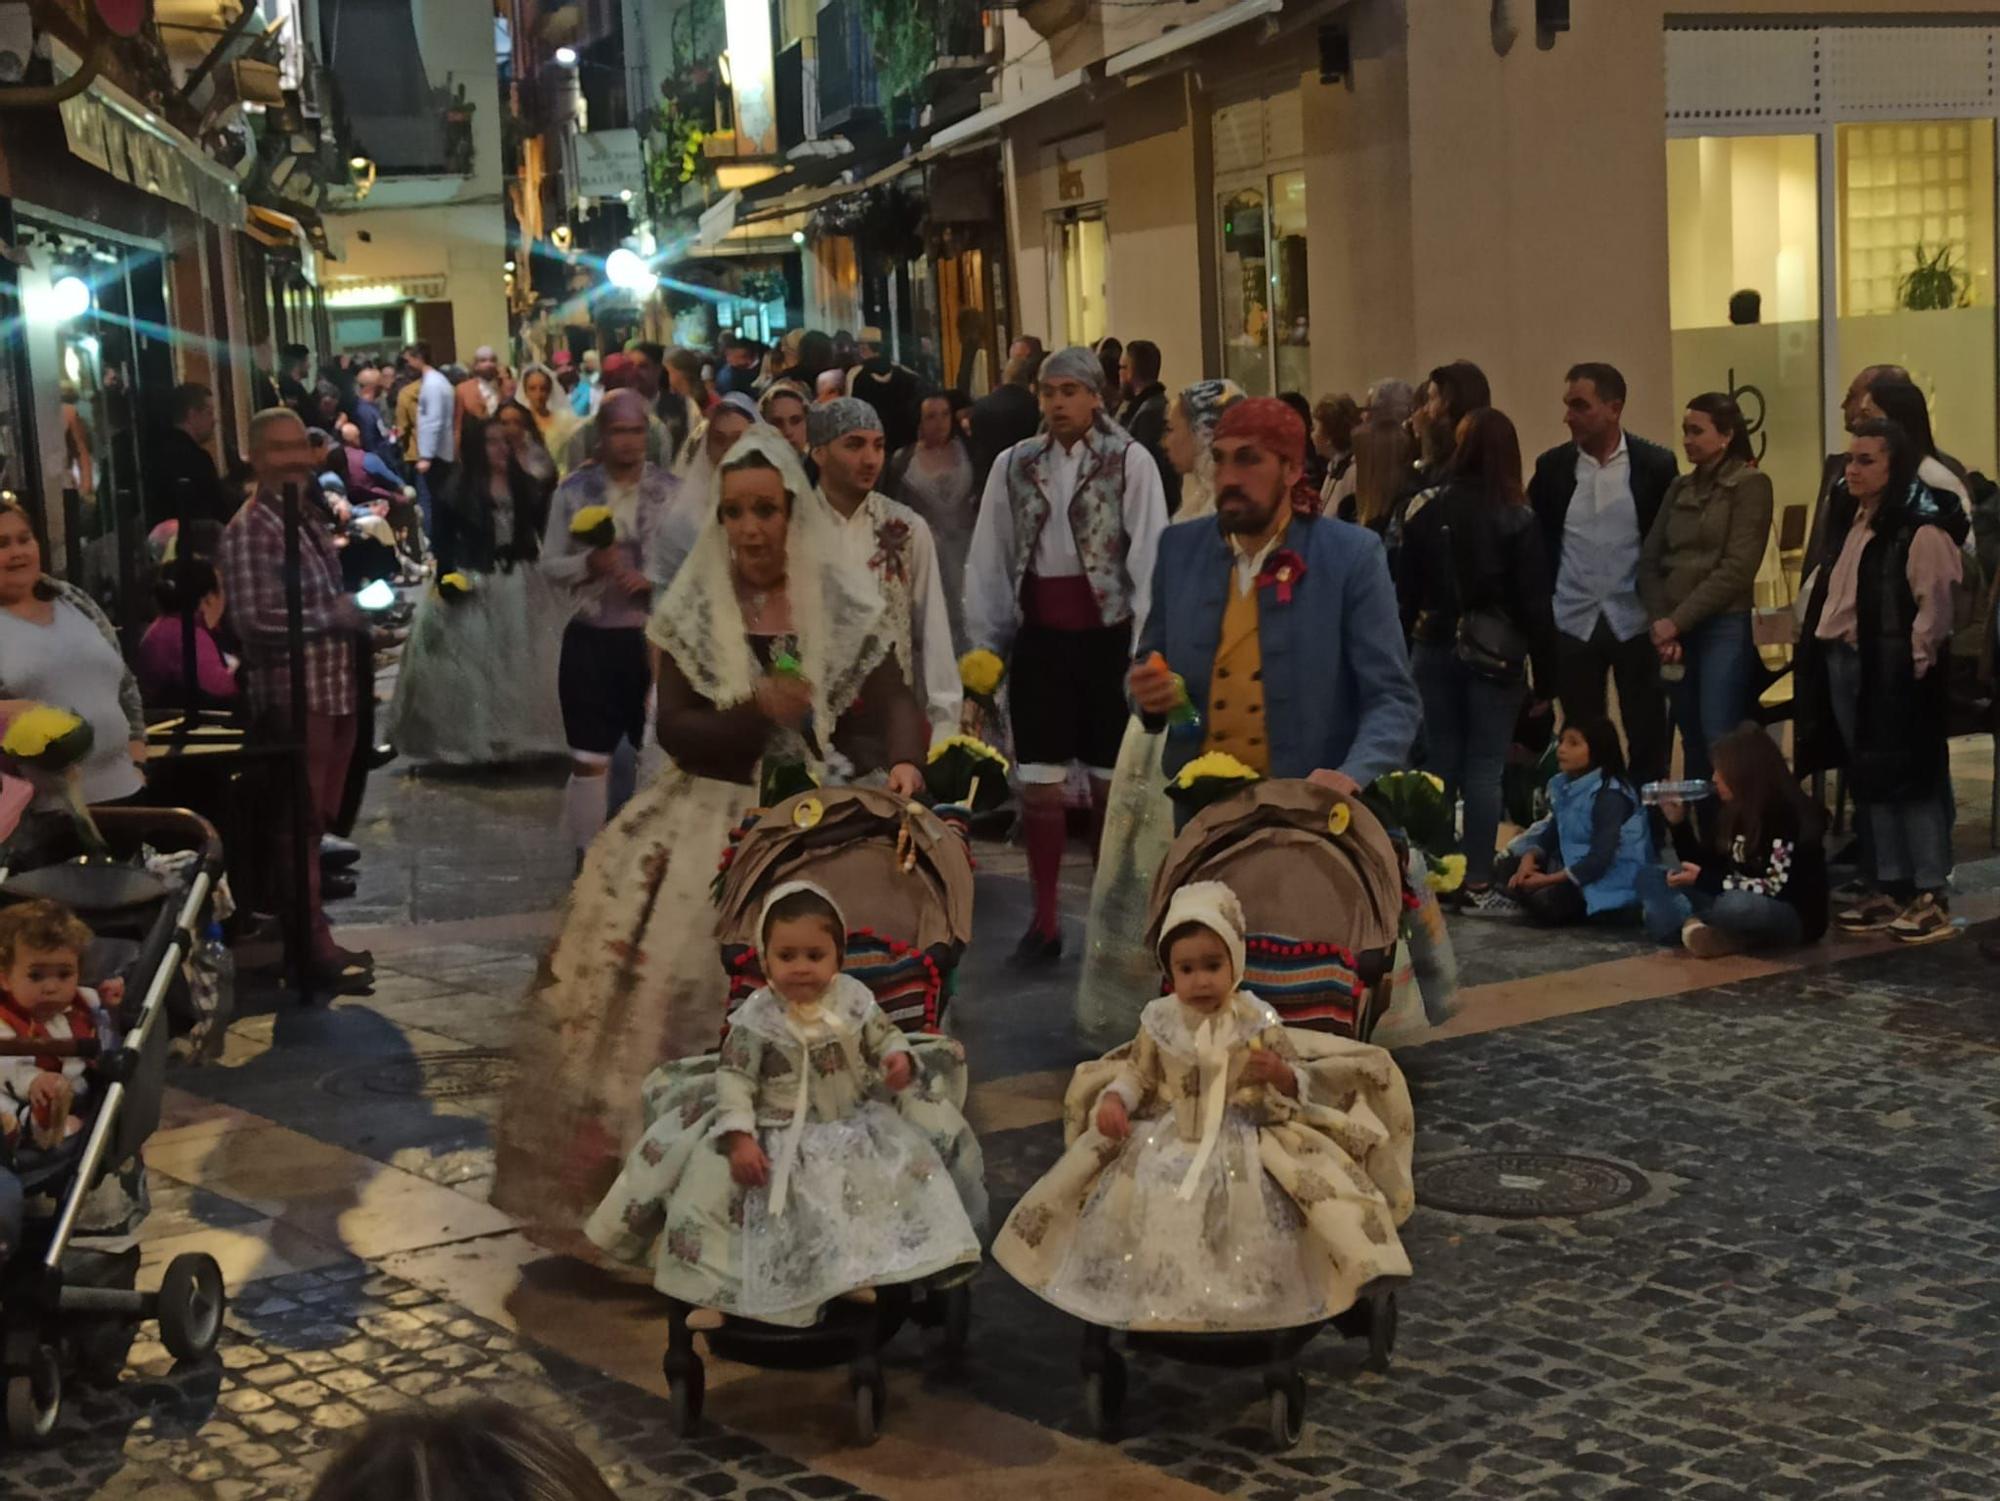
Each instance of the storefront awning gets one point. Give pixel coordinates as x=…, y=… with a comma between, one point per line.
x=718, y=219
x=995, y=115
x=1187, y=36
x=116, y=134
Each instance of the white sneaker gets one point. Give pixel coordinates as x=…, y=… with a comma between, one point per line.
x=1490, y=902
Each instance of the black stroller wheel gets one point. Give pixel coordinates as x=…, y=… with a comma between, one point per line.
x=871, y=1400
x=34, y=1400
x=1104, y=1395
x=1381, y=1330
x=191, y=1306
x=685, y=1396
x=1286, y=1396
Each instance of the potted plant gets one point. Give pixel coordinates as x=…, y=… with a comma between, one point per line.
x=1936, y=283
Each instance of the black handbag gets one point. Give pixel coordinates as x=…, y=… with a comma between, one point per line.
x=1487, y=643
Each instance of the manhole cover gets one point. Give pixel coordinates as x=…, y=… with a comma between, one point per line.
x=468, y=1075
x=1526, y=1185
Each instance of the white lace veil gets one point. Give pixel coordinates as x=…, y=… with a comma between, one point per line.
x=836, y=606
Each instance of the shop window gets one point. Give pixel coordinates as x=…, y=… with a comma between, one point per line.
x=1744, y=276
x=1915, y=212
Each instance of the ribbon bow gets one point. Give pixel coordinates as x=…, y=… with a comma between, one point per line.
x=1281, y=571
x=1211, y=1052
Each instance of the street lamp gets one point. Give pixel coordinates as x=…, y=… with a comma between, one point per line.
x=798, y=237
x=629, y=272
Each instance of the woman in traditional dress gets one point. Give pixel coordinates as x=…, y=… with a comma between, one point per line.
x=933, y=477
x=1119, y=975
x=477, y=683
x=542, y=399
x=762, y=641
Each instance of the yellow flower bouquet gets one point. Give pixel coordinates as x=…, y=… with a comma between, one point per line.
x=1210, y=778
x=964, y=771
x=1413, y=804
x=455, y=588
x=48, y=744
x=593, y=526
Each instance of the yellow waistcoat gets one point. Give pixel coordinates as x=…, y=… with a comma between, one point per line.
x=1236, y=686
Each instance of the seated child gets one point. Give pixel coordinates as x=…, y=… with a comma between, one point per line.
x=1224, y=1172
x=1582, y=860
x=1763, y=885
x=817, y=1154
x=41, y=1098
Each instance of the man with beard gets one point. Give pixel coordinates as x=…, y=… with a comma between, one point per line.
x=1283, y=625
x=895, y=545
x=1056, y=584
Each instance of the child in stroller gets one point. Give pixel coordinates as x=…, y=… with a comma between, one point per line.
x=1231, y=1182
x=81, y=1084
x=42, y=1099
x=810, y=1159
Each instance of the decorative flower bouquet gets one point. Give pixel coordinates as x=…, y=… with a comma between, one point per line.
x=48, y=745
x=1208, y=779
x=455, y=588
x=1414, y=802
x=981, y=673
x=964, y=771
x=593, y=527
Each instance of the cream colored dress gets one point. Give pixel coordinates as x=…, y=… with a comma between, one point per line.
x=1230, y=1211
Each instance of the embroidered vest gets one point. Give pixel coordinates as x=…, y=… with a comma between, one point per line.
x=1235, y=713
x=889, y=561
x=1096, y=515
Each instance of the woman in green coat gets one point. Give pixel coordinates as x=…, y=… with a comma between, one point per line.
x=1698, y=576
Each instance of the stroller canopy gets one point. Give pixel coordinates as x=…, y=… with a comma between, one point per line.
x=902, y=877
x=1322, y=892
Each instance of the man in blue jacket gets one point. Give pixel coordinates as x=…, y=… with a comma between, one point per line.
x=1282, y=624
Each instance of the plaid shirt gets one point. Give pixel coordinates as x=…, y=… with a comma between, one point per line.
x=252, y=563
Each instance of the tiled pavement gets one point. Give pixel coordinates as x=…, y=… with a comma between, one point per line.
x=1800, y=1301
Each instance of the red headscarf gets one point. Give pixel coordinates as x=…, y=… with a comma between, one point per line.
x=1277, y=429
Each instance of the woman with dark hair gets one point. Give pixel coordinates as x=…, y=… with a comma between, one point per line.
x=1762, y=883
x=1315, y=475
x=1475, y=594
x=933, y=477
x=1896, y=398
x=189, y=592
x=477, y=685
x=1698, y=574
x=1879, y=626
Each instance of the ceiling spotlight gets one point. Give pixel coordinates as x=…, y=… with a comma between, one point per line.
x=624, y=195
x=798, y=237
x=69, y=298
x=566, y=56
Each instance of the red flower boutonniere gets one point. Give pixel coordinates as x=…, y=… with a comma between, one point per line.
x=892, y=541
x=1281, y=571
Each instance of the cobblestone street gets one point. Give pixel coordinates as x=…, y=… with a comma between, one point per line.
x=1706, y=1230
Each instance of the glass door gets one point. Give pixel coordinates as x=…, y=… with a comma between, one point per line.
x=1080, y=261
x=1266, y=312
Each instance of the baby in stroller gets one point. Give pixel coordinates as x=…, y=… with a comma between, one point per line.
x=1226, y=1174
x=776, y=1176
x=42, y=1099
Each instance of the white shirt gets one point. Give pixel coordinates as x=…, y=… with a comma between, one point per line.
x=437, y=418
x=1250, y=564
x=1600, y=557
x=992, y=599
x=931, y=658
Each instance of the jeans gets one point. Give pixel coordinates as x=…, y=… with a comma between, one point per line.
x=1761, y=921
x=1635, y=665
x=1468, y=725
x=1713, y=696
x=1909, y=842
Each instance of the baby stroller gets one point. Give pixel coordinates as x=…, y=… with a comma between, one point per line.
x=904, y=881
x=1321, y=887
x=64, y=1306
